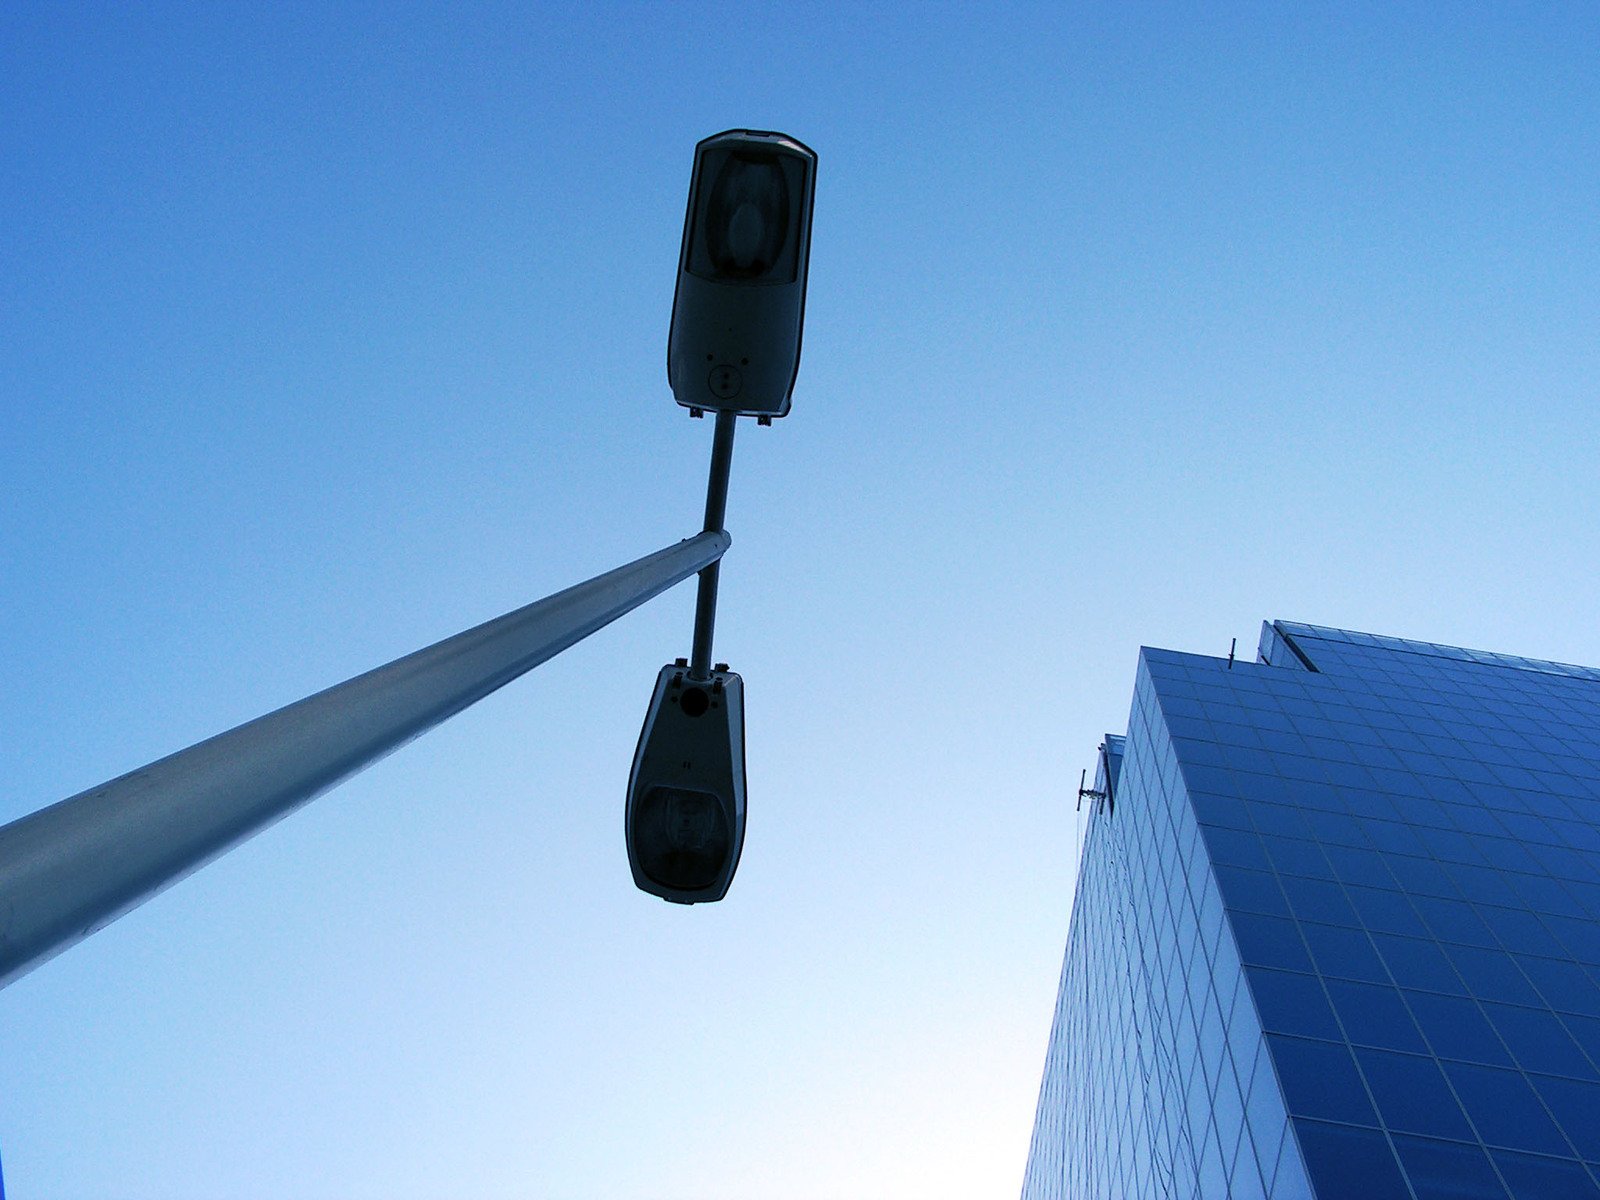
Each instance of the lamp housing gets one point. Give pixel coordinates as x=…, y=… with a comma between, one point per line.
x=686, y=793
x=740, y=301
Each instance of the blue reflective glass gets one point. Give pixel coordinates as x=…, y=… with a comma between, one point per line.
x=1236, y=848
x=1456, y=1028
x=1542, y=894
x=1520, y=932
x=1482, y=885
x=1320, y=1080
x=1386, y=911
x=1345, y=1161
x=1579, y=934
x=1412, y=1094
x=1285, y=1170
x=1319, y=900
x=1227, y=1105
x=1492, y=975
x=1269, y=789
x=1400, y=840
x=1538, y=1041
x=1264, y=1112
x=1448, y=1170
x=1418, y=964
x=1403, y=822
x=1454, y=921
x=1213, y=1042
x=1359, y=867
x=1336, y=831
x=1290, y=1002
x=1586, y=1032
x=1292, y=855
x=1287, y=821
x=1346, y=953
x=1269, y=941
x=1421, y=876
x=1246, y=1183
x=1213, y=1178
x=1374, y=1015
x=1576, y=1106
x=1226, y=811
x=1504, y=1108
x=1531, y=1178
x=1587, y=891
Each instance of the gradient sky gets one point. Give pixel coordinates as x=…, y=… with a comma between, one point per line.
x=329, y=330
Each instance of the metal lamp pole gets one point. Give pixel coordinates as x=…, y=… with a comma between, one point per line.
x=73, y=868
x=705, y=604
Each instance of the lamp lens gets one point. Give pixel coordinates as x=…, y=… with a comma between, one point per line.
x=682, y=838
x=747, y=216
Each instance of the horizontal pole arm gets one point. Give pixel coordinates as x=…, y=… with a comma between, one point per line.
x=73, y=868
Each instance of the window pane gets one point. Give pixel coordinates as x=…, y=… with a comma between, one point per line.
x=1492, y=975
x=1245, y=1181
x=1359, y=867
x=1264, y=1105
x=1320, y=1080
x=1419, y=964
x=1456, y=1028
x=1577, y=1109
x=1269, y=941
x=1453, y=921
x=1521, y=932
x=1319, y=900
x=1448, y=1170
x=1292, y=855
x=1252, y=891
x=1587, y=1031
x=1374, y=1015
x=1537, y=1040
x=1346, y=953
x=1386, y=911
x=1533, y=1178
x=1566, y=986
x=1290, y=1002
x=1212, y=809
x=1234, y=848
x=1347, y=1162
x=1505, y=1109
x=1412, y=1094
x=1421, y=876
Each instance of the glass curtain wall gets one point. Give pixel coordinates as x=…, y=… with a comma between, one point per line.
x=1157, y=1082
x=1357, y=884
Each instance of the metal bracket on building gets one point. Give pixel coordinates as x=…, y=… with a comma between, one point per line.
x=1083, y=790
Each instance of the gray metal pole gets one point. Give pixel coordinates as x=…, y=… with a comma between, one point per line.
x=705, y=602
x=73, y=868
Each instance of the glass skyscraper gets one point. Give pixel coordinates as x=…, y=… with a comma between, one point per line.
x=1337, y=933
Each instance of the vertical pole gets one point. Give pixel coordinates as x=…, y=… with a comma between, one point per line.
x=705, y=605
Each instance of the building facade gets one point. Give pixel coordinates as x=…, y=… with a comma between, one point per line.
x=1337, y=933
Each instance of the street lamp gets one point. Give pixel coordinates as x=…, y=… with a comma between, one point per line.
x=733, y=349
x=74, y=867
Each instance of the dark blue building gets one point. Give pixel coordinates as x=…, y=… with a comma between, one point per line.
x=1337, y=933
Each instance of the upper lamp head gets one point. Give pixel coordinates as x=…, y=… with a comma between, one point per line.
x=741, y=297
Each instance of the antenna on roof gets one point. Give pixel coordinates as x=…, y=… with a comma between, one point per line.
x=1232, y=646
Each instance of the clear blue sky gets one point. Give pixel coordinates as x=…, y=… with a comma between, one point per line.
x=329, y=330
